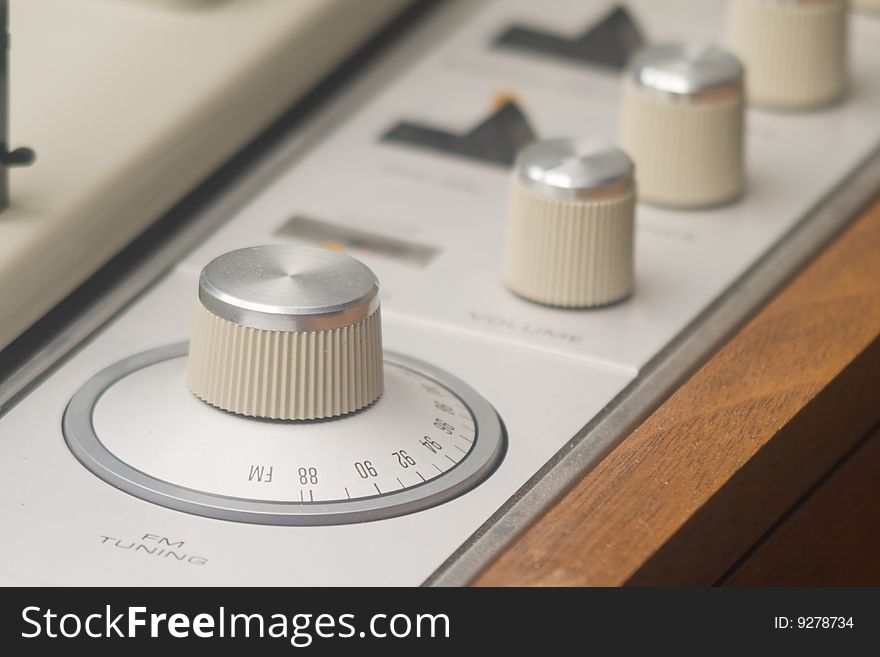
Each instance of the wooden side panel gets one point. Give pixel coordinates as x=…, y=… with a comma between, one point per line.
x=832, y=538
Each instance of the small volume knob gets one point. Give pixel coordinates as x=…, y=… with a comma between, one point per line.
x=286, y=332
x=794, y=50
x=571, y=224
x=682, y=123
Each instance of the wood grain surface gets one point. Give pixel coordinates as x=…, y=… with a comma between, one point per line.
x=713, y=470
x=832, y=538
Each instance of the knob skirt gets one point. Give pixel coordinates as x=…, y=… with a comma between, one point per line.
x=571, y=224
x=794, y=52
x=285, y=375
x=688, y=155
x=568, y=253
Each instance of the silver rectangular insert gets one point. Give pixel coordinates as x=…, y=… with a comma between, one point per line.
x=356, y=242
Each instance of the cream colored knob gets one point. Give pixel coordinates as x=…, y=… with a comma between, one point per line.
x=571, y=224
x=682, y=123
x=867, y=5
x=794, y=51
x=286, y=332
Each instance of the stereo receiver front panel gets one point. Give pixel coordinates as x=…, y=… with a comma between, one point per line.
x=114, y=474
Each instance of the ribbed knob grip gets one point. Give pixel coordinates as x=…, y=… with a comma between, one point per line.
x=682, y=122
x=868, y=5
x=794, y=50
x=571, y=224
x=287, y=333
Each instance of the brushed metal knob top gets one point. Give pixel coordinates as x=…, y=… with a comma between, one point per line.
x=685, y=72
x=288, y=288
x=573, y=169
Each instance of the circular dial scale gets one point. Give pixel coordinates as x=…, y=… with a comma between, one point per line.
x=283, y=409
x=429, y=438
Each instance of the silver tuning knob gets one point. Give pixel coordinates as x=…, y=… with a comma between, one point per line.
x=286, y=332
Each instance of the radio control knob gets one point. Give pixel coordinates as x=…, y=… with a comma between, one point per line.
x=794, y=51
x=286, y=332
x=682, y=123
x=571, y=224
